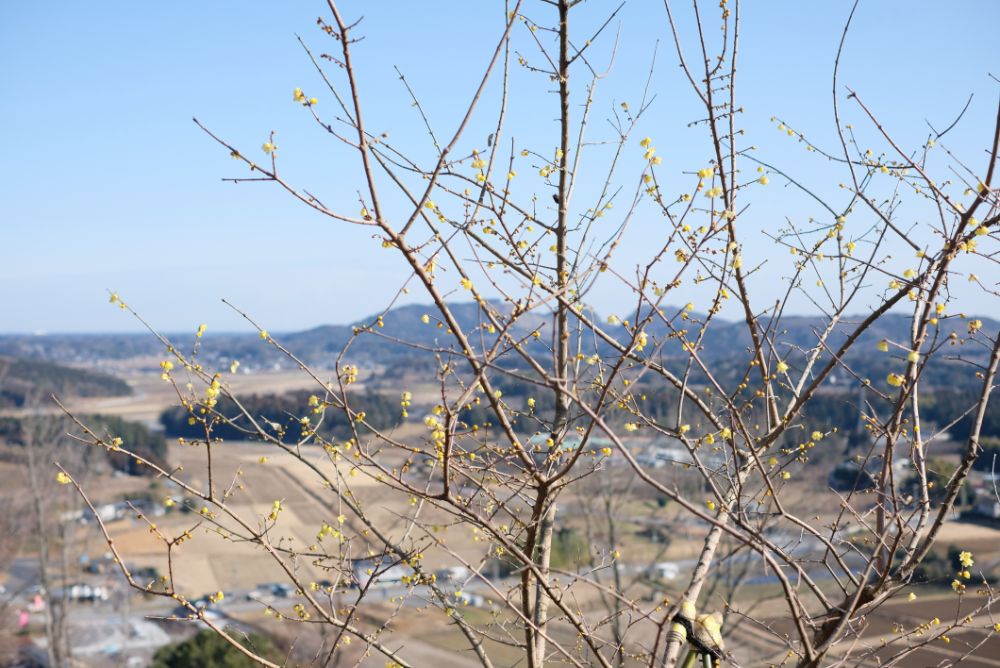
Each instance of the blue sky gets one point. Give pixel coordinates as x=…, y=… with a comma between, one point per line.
x=109, y=185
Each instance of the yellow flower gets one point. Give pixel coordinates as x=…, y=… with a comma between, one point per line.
x=201, y=330
x=298, y=95
x=425, y=318
x=975, y=326
x=894, y=379
x=706, y=173
x=466, y=283
x=264, y=335
x=763, y=180
x=911, y=597
x=606, y=451
x=631, y=426
x=816, y=435
x=913, y=356
x=782, y=366
x=268, y=147
x=646, y=142
x=63, y=479
x=965, y=558
x=710, y=505
x=883, y=346
x=785, y=475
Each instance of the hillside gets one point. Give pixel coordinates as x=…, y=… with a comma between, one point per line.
x=25, y=380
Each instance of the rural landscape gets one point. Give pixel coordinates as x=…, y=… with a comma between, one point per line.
x=578, y=379
x=115, y=385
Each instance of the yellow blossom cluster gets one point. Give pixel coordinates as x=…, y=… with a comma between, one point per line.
x=649, y=154
x=349, y=373
x=212, y=393
x=300, y=97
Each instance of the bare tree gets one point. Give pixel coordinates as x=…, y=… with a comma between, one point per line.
x=564, y=391
x=13, y=535
x=52, y=532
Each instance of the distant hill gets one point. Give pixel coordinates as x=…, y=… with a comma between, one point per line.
x=22, y=380
x=404, y=338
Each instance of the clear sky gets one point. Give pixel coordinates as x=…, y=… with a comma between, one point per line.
x=107, y=184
